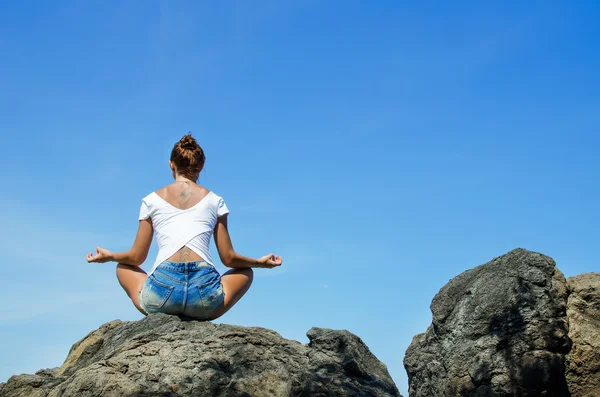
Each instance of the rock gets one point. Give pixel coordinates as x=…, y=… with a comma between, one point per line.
x=48, y=372
x=164, y=355
x=583, y=312
x=499, y=329
x=29, y=385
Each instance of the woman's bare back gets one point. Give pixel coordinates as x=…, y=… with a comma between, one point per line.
x=183, y=195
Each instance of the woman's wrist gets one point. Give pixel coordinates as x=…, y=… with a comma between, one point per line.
x=256, y=263
x=115, y=256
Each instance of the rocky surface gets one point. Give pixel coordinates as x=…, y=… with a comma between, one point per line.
x=162, y=355
x=499, y=329
x=583, y=313
x=511, y=327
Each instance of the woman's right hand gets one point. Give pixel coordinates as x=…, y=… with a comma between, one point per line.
x=270, y=261
x=102, y=255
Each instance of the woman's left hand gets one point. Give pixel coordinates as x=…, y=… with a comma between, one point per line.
x=102, y=255
x=270, y=261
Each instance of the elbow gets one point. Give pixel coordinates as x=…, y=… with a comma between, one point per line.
x=138, y=260
x=228, y=260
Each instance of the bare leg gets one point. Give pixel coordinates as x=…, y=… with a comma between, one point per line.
x=235, y=284
x=132, y=278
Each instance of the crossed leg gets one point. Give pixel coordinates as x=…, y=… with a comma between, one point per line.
x=236, y=283
x=132, y=278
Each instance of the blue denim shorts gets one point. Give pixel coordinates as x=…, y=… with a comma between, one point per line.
x=191, y=289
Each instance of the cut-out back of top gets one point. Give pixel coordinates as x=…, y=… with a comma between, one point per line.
x=176, y=228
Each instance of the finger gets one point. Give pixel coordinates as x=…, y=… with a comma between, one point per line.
x=95, y=256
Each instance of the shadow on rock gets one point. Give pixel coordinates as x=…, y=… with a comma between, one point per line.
x=498, y=330
x=162, y=355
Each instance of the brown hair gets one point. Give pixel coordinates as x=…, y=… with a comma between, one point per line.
x=188, y=157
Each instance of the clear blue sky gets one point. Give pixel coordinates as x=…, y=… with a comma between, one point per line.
x=381, y=148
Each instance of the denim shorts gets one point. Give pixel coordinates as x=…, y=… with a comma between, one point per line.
x=190, y=289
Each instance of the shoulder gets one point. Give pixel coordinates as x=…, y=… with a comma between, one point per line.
x=207, y=193
x=215, y=197
x=219, y=205
x=161, y=192
x=148, y=198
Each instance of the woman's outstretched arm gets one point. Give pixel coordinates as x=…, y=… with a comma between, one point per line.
x=134, y=256
x=232, y=259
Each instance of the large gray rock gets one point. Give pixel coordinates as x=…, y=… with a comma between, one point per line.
x=498, y=330
x=583, y=312
x=162, y=355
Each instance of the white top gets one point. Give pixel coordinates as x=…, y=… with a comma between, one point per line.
x=176, y=228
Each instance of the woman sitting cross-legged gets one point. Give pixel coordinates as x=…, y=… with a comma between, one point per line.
x=184, y=215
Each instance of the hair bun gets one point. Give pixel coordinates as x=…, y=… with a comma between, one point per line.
x=188, y=157
x=188, y=142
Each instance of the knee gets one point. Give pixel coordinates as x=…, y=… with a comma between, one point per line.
x=124, y=270
x=247, y=272
x=250, y=274
x=121, y=267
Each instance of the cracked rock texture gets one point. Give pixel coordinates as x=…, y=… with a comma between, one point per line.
x=583, y=312
x=511, y=327
x=162, y=355
x=499, y=329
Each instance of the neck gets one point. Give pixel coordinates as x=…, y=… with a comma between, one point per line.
x=182, y=179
